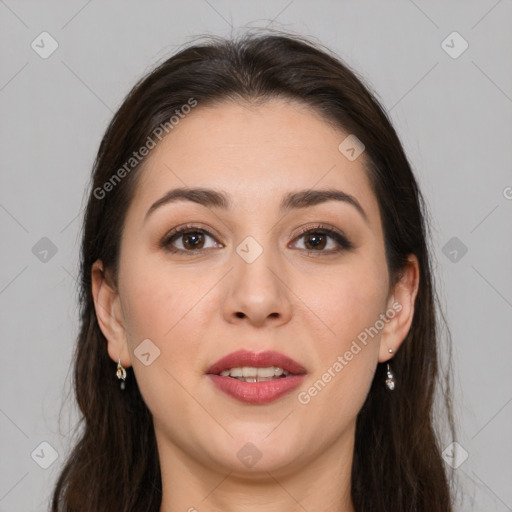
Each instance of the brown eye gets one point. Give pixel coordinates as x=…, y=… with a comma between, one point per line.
x=188, y=239
x=193, y=240
x=315, y=241
x=324, y=240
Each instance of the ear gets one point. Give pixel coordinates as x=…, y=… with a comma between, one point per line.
x=109, y=314
x=400, y=310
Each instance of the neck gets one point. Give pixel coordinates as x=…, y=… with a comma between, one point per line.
x=190, y=485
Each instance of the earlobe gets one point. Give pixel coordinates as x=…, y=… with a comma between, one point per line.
x=109, y=314
x=400, y=310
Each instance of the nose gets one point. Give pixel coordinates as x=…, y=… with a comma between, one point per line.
x=257, y=292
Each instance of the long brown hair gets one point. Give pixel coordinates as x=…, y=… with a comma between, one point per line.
x=397, y=462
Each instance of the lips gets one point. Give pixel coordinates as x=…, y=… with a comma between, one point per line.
x=263, y=359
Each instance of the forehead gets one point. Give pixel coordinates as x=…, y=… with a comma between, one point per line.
x=255, y=153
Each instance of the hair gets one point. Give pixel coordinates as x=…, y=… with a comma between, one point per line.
x=397, y=463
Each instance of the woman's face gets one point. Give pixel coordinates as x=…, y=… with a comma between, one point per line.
x=254, y=282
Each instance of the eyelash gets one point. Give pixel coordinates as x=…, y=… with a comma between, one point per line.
x=339, y=237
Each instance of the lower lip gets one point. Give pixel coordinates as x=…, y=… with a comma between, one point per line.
x=256, y=392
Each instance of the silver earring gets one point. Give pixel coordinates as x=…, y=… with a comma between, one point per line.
x=121, y=374
x=390, y=378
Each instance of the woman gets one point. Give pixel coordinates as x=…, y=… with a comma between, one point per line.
x=255, y=272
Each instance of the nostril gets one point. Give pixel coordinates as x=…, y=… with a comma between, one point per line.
x=240, y=314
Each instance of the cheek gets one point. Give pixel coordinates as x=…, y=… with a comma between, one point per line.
x=346, y=303
x=149, y=302
x=152, y=294
x=346, y=353
x=347, y=340
x=164, y=305
x=165, y=310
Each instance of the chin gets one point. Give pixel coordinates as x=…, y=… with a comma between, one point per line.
x=255, y=454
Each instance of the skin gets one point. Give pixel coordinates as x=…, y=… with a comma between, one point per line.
x=309, y=306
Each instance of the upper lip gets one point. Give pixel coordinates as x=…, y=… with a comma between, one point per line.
x=263, y=359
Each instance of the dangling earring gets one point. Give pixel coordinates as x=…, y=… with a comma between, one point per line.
x=121, y=374
x=390, y=378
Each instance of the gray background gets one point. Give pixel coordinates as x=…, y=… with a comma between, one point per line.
x=452, y=114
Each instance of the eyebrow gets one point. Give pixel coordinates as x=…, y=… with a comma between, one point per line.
x=293, y=200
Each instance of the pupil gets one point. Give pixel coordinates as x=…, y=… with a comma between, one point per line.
x=319, y=239
x=195, y=235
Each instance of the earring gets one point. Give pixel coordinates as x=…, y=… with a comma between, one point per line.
x=390, y=378
x=121, y=374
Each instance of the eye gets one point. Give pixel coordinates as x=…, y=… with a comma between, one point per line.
x=319, y=238
x=189, y=239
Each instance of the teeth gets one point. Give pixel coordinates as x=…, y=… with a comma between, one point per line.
x=250, y=373
x=256, y=379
